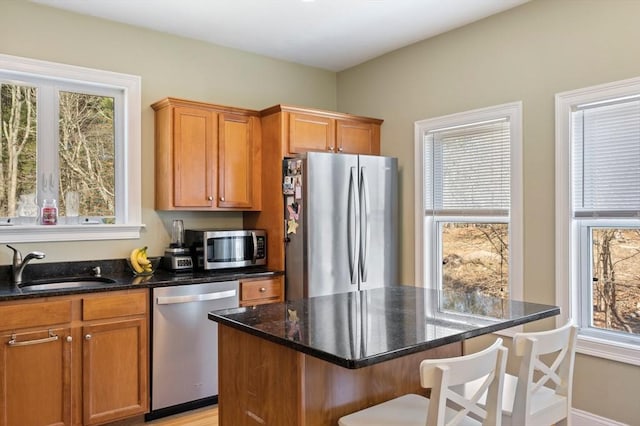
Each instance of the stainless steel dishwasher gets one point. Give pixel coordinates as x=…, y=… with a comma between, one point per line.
x=184, y=363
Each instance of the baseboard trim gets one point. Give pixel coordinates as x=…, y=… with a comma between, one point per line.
x=584, y=418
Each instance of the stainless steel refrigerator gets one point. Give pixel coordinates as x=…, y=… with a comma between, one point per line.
x=341, y=223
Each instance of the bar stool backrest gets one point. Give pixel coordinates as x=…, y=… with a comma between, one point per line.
x=444, y=375
x=487, y=366
x=547, y=361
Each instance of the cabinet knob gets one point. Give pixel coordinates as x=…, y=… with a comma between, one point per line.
x=340, y=149
x=221, y=198
x=210, y=198
x=87, y=337
x=69, y=339
x=330, y=149
x=262, y=289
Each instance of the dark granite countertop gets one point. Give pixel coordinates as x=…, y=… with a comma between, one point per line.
x=118, y=271
x=358, y=329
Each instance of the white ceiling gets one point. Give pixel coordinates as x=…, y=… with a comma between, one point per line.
x=328, y=34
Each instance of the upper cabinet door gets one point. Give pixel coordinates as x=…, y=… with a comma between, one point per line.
x=194, y=157
x=311, y=133
x=208, y=157
x=355, y=137
x=239, y=161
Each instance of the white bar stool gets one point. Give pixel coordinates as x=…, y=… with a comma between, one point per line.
x=526, y=401
x=441, y=375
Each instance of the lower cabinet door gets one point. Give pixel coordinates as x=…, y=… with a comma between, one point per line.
x=35, y=378
x=114, y=365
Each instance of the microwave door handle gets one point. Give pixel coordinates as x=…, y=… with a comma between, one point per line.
x=255, y=247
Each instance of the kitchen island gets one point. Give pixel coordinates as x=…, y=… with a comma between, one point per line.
x=308, y=362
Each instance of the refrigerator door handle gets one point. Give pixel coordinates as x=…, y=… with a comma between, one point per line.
x=353, y=219
x=365, y=226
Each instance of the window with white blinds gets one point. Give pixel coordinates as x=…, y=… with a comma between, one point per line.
x=469, y=206
x=598, y=216
x=467, y=169
x=606, y=158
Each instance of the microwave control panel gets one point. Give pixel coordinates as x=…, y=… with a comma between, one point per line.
x=261, y=250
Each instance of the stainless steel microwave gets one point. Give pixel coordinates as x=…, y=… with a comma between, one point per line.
x=220, y=249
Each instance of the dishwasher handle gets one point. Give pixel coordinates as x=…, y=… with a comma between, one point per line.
x=170, y=300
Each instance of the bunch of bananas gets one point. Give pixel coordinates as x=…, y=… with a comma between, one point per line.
x=139, y=261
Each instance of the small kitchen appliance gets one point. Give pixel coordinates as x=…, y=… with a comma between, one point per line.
x=220, y=249
x=177, y=257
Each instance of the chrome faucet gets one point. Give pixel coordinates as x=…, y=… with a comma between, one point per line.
x=19, y=264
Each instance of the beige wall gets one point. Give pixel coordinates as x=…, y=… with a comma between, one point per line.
x=529, y=53
x=169, y=66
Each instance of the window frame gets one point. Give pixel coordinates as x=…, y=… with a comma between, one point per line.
x=427, y=243
x=571, y=236
x=128, y=168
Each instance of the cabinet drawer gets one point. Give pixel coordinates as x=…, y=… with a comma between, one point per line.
x=114, y=305
x=25, y=315
x=260, y=289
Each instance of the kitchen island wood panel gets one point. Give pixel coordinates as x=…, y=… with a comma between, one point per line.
x=254, y=389
x=303, y=390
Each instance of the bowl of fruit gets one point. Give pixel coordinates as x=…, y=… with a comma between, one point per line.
x=140, y=264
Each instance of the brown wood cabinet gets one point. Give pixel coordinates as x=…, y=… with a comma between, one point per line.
x=35, y=363
x=358, y=137
x=239, y=162
x=114, y=356
x=289, y=131
x=310, y=133
x=74, y=360
x=299, y=130
x=35, y=387
x=208, y=157
x=259, y=291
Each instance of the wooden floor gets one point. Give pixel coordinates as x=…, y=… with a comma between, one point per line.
x=207, y=416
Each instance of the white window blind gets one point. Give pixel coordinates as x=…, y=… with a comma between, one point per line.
x=606, y=144
x=467, y=169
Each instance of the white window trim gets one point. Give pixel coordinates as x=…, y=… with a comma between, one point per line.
x=513, y=111
x=568, y=232
x=130, y=185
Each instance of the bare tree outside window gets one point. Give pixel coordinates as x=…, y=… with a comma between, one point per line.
x=615, y=255
x=17, y=145
x=86, y=152
x=475, y=263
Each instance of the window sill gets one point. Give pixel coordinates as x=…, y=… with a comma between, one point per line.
x=614, y=351
x=89, y=232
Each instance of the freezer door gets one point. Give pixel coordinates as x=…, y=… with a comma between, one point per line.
x=331, y=223
x=378, y=194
